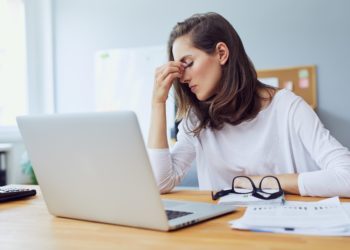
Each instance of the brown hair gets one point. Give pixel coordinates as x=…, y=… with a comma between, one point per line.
x=238, y=99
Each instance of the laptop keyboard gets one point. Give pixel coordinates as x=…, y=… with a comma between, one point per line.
x=172, y=214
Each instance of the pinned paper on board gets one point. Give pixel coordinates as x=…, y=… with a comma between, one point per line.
x=303, y=73
x=304, y=83
x=272, y=81
x=288, y=85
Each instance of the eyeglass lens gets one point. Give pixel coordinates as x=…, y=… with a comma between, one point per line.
x=269, y=184
x=243, y=185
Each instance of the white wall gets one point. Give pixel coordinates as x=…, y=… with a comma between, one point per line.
x=275, y=33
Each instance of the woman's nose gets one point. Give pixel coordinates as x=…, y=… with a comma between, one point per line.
x=184, y=81
x=185, y=77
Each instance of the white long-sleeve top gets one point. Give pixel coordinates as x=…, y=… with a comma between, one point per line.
x=285, y=137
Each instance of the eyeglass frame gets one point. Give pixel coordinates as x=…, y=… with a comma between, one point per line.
x=255, y=192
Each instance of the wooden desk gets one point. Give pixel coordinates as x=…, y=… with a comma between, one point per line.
x=26, y=224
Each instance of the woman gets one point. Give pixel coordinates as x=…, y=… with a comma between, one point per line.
x=232, y=124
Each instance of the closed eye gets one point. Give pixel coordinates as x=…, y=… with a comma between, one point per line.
x=189, y=64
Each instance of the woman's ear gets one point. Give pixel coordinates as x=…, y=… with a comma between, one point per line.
x=222, y=52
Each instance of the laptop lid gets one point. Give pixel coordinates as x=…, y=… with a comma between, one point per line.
x=94, y=166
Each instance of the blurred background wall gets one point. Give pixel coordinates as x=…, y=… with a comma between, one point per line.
x=275, y=34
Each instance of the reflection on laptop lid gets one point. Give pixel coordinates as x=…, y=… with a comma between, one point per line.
x=94, y=166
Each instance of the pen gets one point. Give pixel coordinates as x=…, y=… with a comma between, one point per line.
x=275, y=230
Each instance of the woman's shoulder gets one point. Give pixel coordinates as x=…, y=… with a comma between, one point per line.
x=285, y=98
x=287, y=103
x=283, y=101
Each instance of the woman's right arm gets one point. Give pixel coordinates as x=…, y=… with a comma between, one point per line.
x=164, y=77
x=169, y=168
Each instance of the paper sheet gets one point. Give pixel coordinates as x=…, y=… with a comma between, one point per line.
x=327, y=217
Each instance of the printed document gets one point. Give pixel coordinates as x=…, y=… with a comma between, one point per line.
x=327, y=217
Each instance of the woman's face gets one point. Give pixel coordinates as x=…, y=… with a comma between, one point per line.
x=202, y=73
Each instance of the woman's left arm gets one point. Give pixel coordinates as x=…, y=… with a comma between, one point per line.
x=333, y=159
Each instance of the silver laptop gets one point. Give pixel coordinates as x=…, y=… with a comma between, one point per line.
x=94, y=166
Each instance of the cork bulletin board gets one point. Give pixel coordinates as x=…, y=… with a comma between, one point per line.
x=301, y=80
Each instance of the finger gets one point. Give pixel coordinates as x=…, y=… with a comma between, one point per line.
x=177, y=63
x=170, y=70
x=170, y=78
x=160, y=83
x=159, y=70
x=171, y=64
x=162, y=75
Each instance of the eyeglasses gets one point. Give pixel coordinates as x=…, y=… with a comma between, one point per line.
x=266, y=190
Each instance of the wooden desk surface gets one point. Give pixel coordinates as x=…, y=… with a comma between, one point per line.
x=26, y=224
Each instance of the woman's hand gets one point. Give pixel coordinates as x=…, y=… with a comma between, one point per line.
x=164, y=77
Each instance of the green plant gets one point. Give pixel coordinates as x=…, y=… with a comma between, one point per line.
x=28, y=170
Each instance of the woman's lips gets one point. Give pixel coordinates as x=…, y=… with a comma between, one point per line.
x=193, y=88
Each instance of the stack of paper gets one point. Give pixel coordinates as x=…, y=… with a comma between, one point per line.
x=328, y=217
x=248, y=199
